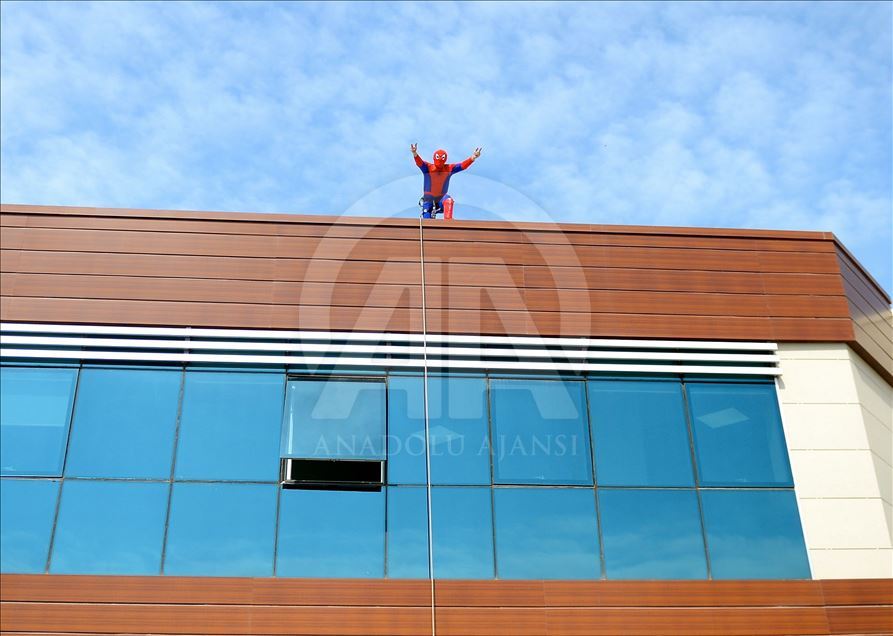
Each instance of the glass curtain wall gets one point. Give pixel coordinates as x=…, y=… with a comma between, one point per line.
x=176, y=470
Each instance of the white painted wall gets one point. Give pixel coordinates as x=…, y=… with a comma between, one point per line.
x=838, y=421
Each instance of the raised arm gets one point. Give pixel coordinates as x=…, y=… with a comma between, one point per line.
x=423, y=165
x=459, y=167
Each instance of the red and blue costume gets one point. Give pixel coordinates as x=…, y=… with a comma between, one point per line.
x=437, y=181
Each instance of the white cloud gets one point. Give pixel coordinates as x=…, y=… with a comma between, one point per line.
x=688, y=114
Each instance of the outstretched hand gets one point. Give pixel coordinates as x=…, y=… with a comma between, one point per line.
x=414, y=148
x=476, y=153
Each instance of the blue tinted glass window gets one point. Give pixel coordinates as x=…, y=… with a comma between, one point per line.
x=546, y=533
x=652, y=534
x=463, y=533
x=407, y=533
x=328, y=533
x=221, y=530
x=35, y=409
x=27, y=508
x=754, y=534
x=124, y=424
x=640, y=433
x=540, y=432
x=334, y=418
x=460, y=445
x=738, y=435
x=109, y=528
x=230, y=426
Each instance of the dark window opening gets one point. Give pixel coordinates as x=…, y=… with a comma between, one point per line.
x=332, y=474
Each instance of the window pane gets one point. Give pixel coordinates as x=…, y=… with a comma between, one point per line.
x=330, y=533
x=540, y=432
x=221, y=530
x=109, y=528
x=334, y=418
x=641, y=437
x=124, y=424
x=738, y=435
x=35, y=408
x=754, y=534
x=652, y=534
x=407, y=533
x=460, y=445
x=27, y=508
x=463, y=533
x=229, y=428
x=546, y=533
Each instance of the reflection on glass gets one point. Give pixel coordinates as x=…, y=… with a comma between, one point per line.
x=460, y=445
x=546, y=533
x=754, y=534
x=640, y=433
x=738, y=435
x=463, y=533
x=230, y=426
x=221, y=530
x=407, y=533
x=540, y=432
x=124, y=424
x=27, y=507
x=652, y=534
x=334, y=418
x=329, y=533
x=35, y=409
x=109, y=527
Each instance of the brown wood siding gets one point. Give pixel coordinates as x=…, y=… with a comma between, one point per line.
x=185, y=605
x=872, y=319
x=139, y=267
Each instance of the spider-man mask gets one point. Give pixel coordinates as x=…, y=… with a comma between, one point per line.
x=440, y=157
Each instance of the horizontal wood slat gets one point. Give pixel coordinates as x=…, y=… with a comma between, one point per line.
x=215, y=619
x=278, y=219
x=622, y=256
x=629, y=593
x=192, y=605
x=438, y=296
x=487, y=322
x=857, y=591
x=438, y=272
x=171, y=590
x=871, y=314
x=439, y=232
x=861, y=620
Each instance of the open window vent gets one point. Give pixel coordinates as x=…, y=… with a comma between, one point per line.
x=332, y=474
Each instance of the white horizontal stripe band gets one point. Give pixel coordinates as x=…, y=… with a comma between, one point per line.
x=408, y=350
x=259, y=334
x=318, y=361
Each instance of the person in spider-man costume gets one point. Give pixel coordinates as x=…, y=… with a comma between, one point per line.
x=437, y=181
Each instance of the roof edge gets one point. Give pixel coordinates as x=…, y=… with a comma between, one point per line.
x=265, y=217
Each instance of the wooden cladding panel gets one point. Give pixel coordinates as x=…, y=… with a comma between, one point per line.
x=872, y=318
x=488, y=274
x=407, y=249
x=456, y=224
x=215, y=619
x=171, y=590
x=274, y=271
x=190, y=605
x=309, y=227
x=485, y=321
x=409, y=296
x=271, y=225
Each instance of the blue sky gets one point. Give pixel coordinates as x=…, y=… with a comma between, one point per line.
x=730, y=115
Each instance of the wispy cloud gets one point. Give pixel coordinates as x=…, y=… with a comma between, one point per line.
x=753, y=115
